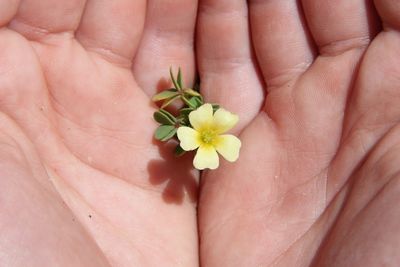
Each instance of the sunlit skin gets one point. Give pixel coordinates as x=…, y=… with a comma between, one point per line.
x=316, y=87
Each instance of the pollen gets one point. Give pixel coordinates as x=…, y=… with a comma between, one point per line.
x=208, y=136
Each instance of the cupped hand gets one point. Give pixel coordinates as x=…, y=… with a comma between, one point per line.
x=316, y=87
x=317, y=182
x=82, y=181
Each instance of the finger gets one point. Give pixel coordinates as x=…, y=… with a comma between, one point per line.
x=37, y=19
x=373, y=109
x=342, y=31
x=228, y=70
x=389, y=11
x=8, y=9
x=113, y=28
x=281, y=40
x=167, y=42
x=339, y=26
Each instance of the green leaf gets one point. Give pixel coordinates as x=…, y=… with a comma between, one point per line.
x=215, y=107
x=179, y=151
x=165, y=132
x=173, y=79
x=179, y=79
x=188, y=102
x=165, y=95
x=192, y=92
x=185, y=111
x=196, y=101
x=169, y=101
x=172, y=117
x=162, y=118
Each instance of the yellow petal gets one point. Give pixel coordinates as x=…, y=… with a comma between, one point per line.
x=189, y=138
x=228, y=146
x=201, y=117
x=224, y=120
x=206, y=157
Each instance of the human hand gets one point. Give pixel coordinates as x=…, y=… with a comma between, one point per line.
x=317, y=182
x=325, y=140
x=82, y=182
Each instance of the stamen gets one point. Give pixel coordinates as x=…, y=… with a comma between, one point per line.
x=208, y=136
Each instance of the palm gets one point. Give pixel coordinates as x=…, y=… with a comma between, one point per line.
x=318, y=174
x=74, y=98
x=310, y=183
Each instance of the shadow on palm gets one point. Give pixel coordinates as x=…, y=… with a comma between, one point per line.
x=177, y=173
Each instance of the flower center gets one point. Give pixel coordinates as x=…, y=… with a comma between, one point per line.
x=208, y=136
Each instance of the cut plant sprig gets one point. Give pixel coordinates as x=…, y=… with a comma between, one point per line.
x=189, y=96
x=172, y=126
x=170, y=123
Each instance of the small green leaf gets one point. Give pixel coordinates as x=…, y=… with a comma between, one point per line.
x=196, y=101
x=215, y=107
x=165, y=132
x=179, y=151
x=169, y=101
x=200, y=100
x=165, y=95
x=172, y=117
x=179, y=79
x=188, y=102
x=185, y=111
x=192, y=92
x=163, y=118
x=173, y=79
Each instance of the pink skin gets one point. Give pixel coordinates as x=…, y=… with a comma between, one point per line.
x=83, y=183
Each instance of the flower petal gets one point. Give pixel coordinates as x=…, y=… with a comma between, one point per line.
x=189, y=138
x=201, y=117
x=228, y=146
x=224, y=120
x=206, y=157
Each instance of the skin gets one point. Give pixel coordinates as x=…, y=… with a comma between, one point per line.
x=316, y=86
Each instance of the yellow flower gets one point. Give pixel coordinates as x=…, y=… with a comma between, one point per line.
x=207, y=136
